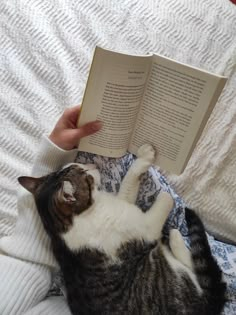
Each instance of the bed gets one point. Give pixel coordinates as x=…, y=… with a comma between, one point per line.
x=45, y=52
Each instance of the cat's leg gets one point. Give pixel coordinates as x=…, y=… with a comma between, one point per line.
x=179, y=249
x=130, y=184
x=157, y=215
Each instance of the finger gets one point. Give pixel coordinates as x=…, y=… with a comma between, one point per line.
x=86, y=130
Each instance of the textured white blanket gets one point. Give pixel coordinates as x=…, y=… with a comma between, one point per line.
x=45, y=53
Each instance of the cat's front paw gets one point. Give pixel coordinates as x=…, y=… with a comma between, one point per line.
x=147, y=153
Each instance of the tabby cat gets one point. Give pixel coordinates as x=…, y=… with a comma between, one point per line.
x=112, y=255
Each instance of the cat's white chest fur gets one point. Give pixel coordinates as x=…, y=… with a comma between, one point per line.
x=106, y=225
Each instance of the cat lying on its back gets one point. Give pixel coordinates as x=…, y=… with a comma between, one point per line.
x=112, y=255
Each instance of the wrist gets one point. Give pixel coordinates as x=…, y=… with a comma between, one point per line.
x=56, y=141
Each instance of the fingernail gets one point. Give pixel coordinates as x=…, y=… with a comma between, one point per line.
x=97, y=125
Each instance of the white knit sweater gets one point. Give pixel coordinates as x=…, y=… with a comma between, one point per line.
x=26, y=261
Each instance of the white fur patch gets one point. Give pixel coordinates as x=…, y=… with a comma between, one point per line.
x=107, y=224
x=66, y=193
x=68, y=188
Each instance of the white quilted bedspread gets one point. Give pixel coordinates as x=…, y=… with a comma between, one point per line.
x=45, y=53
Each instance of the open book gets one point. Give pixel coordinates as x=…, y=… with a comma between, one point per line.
x=147, y=99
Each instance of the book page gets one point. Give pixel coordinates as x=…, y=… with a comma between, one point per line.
x=114, y=90
x=177, y=103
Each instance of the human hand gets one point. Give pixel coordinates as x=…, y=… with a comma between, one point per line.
x=66, y=134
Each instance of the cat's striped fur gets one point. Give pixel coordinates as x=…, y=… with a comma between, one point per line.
x=112, y=255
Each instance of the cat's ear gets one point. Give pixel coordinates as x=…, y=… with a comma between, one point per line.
x=66, y=193
x=29, y=183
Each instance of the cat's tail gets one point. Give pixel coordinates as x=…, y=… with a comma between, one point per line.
x=207, y=271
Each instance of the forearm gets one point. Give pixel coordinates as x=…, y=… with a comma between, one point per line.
x=29, y=240
x=25, y=276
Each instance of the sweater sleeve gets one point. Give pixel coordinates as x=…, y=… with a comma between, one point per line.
x=50, y=158
x=26, y=260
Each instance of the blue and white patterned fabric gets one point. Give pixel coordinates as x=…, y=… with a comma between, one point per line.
x=112, y=172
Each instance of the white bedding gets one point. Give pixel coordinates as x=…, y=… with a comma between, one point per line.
x=45, y=53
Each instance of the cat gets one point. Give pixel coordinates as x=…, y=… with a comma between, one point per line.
x=113, y=257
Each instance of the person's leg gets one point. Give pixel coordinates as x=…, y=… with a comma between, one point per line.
x=22, y=285
x=53, y=305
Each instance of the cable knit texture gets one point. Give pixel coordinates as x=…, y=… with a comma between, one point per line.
x=46, y=50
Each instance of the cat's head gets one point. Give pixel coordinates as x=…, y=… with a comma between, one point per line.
x=61, y=195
